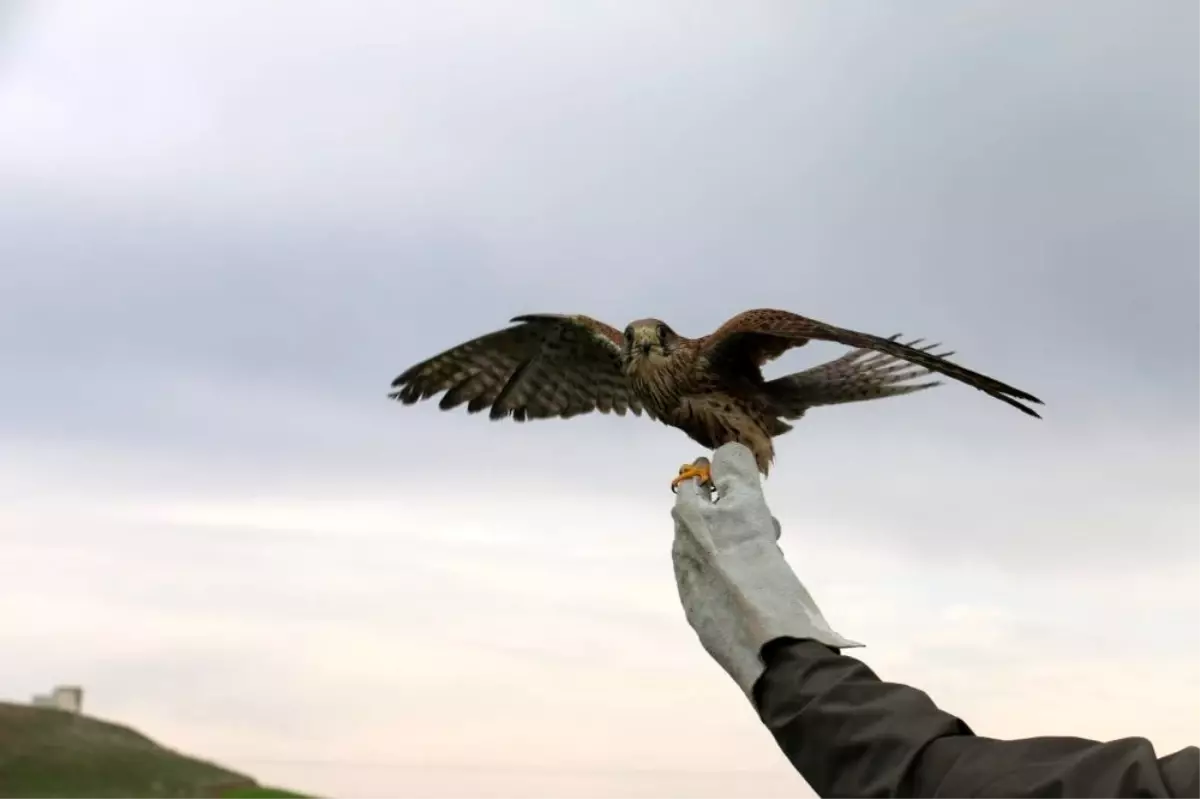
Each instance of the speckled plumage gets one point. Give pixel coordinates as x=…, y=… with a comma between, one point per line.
x=711, y=388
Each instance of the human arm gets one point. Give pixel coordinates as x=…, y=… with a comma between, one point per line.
x=845, y=730
x=850, y=733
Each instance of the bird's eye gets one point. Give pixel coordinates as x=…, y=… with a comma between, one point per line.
x=662, y=332
x=629, y=333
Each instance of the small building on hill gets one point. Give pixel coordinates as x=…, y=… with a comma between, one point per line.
x=63, y=697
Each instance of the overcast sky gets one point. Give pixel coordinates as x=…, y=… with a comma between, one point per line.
x=225, y=227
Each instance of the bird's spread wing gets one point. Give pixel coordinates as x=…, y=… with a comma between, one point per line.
x=754, y=337
x=546, y=365
x=856, y=376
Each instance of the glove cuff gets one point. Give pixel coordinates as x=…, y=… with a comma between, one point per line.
x=771, y=603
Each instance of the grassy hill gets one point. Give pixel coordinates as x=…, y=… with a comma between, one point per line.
x=46, y=752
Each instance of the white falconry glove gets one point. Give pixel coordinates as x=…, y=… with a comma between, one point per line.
x=738, y=591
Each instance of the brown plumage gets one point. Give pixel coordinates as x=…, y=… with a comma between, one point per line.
x=711, y=388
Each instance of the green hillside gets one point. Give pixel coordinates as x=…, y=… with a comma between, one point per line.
x=49, y=753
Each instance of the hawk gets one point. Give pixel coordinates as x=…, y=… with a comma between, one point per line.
x=712, y=388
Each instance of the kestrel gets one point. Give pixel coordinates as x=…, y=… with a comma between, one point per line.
x=712, y=388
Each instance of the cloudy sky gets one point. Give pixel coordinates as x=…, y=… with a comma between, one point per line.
x=226, y=226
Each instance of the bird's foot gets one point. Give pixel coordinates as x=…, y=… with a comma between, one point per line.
x=699, y=468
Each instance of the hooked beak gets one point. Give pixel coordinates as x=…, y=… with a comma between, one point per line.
x=644, y=341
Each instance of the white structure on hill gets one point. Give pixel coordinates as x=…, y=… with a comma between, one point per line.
x=63, y=697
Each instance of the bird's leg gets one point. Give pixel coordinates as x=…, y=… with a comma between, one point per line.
x=699, y=468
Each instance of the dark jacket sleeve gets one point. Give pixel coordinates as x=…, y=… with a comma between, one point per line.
x=850, y=734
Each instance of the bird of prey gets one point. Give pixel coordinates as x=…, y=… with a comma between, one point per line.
x=712, y=388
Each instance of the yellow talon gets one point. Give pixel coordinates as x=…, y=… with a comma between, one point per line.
x=701, y=469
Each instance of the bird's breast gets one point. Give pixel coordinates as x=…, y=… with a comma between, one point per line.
x=656, y=385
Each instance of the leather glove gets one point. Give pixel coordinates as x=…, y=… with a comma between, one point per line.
x=738, y=592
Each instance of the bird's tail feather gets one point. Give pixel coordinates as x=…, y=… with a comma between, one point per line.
x=856, y=376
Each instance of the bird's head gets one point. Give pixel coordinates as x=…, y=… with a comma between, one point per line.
x=649, y=341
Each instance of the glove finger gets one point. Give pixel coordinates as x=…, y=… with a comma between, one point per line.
x=734, y=470
x=692, y=506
